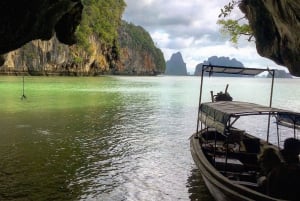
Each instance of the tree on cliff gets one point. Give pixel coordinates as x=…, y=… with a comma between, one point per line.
x=137, y=38
x=99, y=49
x=273, y=24
x=234, y=28
x=100, y=18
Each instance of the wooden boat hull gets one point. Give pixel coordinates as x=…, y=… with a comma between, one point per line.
x=220, y=187
x=227, y=156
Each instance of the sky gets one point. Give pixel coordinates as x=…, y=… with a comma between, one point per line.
x=190, y=27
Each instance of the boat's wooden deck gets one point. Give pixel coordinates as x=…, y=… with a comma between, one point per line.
x=236, y=159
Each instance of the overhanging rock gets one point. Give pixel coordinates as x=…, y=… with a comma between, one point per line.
x=26, y=20
x=276, y=28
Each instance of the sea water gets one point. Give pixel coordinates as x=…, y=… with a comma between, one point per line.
x=112, y=138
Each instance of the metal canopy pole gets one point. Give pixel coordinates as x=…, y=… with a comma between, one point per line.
x=272, y=86
x=200, y=97
x=272, y=72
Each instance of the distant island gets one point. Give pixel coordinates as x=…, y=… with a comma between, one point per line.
x=222, y=61
x=176, y=65
x=226, y=61
x=281, y=74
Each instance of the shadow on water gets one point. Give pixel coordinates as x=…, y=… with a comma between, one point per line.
x=196, y=187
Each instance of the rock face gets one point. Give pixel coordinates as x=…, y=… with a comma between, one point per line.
x=222, y=61
x=276, y=27
x=54, y=58
x=176, y=65
x=26, y=59
x=138, y=53
x=26, y=20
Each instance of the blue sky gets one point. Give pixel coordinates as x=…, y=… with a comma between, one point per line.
x=190, y=27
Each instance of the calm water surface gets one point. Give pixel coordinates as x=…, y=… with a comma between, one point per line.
x=111, y=138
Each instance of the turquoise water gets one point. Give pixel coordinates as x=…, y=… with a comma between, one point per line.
x=111, y=138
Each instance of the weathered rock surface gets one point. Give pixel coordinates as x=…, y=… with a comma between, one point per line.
x=276, y=26
x=138, y=53
x=54, y=58
x=26, y=20
x=176, y=65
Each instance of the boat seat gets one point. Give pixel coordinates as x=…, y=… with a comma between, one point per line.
x=235, y=136
x=232, y=165
x=248, y=159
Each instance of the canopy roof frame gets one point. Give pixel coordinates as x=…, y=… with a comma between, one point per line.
x=226, y=113
x=233, y=70
x=211, y=69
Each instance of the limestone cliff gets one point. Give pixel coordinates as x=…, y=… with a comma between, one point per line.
x=276, y=27
x=53, y=58
x=176, y=65
x=138, y=53
x=275, y=24
x=223, y=61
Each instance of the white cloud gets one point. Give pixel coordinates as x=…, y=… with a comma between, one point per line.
x=190, y=27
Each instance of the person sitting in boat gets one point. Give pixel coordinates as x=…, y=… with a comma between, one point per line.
x=291, y=151
x=289, y=175
x=281, y=181
x=267, y=160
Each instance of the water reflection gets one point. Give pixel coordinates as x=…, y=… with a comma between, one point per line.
x=124, y=138
x=196, y=187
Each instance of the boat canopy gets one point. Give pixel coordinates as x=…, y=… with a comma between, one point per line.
x=218, y=114
x=289, y=119
x=233, y=70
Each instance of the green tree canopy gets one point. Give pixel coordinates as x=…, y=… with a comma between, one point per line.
x=100, y=18
x=233, y=28
x=140, y=39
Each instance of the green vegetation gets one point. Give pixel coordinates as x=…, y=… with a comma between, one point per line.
x=101, y=19
x=234, y=28
x=77, y=60
x=136, y=37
